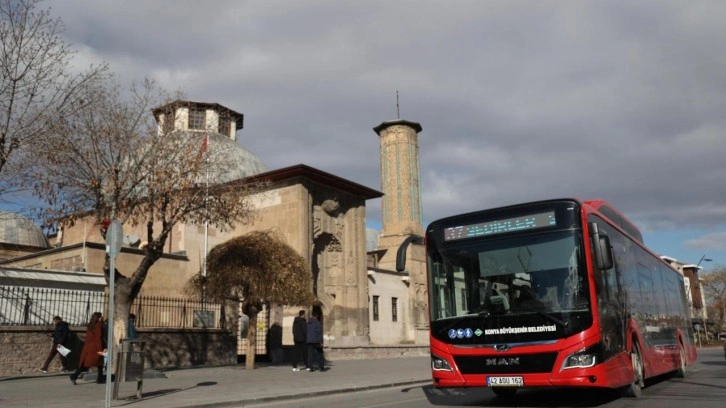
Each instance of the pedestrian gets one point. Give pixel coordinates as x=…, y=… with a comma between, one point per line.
x=90, y=353
x=274, y=344
x=131, y=332
x=59, y=337
x=315, y=343
x=299, y=336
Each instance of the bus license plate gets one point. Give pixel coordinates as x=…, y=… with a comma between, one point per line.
x=505, y=382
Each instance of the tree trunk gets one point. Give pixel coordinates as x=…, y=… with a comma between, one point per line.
x=251, y=338
x=121, y=309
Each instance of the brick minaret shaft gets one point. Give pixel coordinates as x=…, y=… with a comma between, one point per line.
x=402, y=218
x=400, y=178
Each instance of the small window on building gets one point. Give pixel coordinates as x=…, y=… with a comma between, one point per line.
x=196, y=118
x=394, y=309
x=375, y=308
x=224, y=125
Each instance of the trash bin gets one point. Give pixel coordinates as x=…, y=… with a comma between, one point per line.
x=130, y=365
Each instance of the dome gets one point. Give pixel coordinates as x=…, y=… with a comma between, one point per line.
x=16, y=229
x=238, y=162
x=243, y=163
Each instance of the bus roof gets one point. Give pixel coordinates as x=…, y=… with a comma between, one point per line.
x=604, y=208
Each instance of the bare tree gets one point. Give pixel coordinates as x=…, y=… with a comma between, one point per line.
x=714, y=284
x=35, y=79
x=257, y=267
x=111, y=162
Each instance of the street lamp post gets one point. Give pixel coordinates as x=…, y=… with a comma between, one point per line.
x=703, y=300
x=703, y=258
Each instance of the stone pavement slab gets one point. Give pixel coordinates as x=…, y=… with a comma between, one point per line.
x=217, y=386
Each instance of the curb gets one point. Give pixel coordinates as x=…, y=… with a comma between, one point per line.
x=308, y=394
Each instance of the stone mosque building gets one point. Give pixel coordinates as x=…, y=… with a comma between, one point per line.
x=365, y=302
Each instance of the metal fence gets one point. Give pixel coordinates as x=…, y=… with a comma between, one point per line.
x=153, y=311
x=31, y=306
x=263, y=325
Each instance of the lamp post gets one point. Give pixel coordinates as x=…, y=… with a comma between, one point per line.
x=703, y=258
x=703, y=300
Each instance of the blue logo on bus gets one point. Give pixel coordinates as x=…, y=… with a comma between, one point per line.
x=460, y=333
x=468, y=333
x=452, y=333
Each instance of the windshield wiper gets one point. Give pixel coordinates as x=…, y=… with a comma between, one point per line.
x=553, y=318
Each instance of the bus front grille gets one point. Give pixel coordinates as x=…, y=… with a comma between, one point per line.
x=507, y=364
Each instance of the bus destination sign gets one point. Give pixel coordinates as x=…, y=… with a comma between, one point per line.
x=503, y=226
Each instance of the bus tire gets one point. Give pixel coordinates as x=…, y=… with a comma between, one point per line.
x=504, y=392
x=681, y=371
x=634, y=389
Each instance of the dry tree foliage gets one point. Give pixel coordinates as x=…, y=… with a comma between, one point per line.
x=109, y=161
x=37, y=85
x=257, y=267
x=714, y=286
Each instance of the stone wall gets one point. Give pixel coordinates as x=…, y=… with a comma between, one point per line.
x=371, y=352
x=167, y=348
x=25, y=348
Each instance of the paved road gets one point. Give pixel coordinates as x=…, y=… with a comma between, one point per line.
x=395, y=383
x=229, y=386
x=705, y=386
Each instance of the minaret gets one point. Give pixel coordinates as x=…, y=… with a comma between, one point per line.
x=402, y=217
x=400, y=178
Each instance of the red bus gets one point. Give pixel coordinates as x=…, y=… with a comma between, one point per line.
x=556, y=293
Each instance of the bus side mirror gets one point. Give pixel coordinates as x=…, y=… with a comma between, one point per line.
x=607, y=253
x=601, y=248
x=401, y=254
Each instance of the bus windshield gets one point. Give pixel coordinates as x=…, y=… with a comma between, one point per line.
x=541, y=273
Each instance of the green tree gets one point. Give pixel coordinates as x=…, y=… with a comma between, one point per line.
x=37, y=84
x=257, y=268
x=714, y=286
x=111, y=162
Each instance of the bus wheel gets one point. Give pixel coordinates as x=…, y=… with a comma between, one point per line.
x=634, y=389
x=681, y=372
x=504, y=392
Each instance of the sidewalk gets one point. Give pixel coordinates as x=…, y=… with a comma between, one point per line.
x=228, y=386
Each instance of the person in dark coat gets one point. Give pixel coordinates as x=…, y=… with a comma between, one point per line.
x=131, y=330
x=274, y=344
x=299, y=336
x=94, y=345
x=315, y=343
x=59, y=335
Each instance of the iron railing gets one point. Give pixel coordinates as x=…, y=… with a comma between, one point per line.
x=154, y=311
x=32, y=306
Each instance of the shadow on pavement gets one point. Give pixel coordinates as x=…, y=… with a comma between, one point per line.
x=160, y=393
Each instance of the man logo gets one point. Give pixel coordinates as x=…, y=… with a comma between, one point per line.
x=504, y=361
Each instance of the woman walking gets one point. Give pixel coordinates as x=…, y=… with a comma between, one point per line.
x=94, y=344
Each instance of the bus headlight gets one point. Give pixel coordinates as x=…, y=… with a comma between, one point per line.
x=439, y=364
x=582, y=359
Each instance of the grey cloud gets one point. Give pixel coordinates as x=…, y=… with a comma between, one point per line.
x=619, y=100
x=715, y=241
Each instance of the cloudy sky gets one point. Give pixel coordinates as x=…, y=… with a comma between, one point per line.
x=519, y=100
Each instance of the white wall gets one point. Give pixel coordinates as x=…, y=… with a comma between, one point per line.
x=387, y=286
